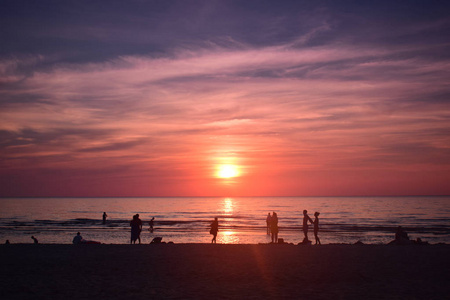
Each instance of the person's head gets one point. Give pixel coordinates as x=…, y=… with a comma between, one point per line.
x=215, y=218
x=274, y=214
x=268, y=214
x=32, y=237
x=305, y=212
x=137, y=215
x=316, y=214
x=78, y=233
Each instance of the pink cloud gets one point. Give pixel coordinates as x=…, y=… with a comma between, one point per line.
x=278, y=112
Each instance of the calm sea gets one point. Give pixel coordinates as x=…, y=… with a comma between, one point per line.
x=242, y=220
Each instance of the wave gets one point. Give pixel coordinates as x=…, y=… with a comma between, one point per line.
x=432, y=227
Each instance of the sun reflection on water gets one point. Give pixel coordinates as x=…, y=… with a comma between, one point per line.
x=228, y=237
x=228, y=206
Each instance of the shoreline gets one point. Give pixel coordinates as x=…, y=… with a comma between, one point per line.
x=224, y=271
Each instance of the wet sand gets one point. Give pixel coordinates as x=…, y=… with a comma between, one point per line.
x=204, y=271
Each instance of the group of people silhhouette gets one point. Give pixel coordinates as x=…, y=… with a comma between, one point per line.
x=136, y=228
x=307, y=219
x=272, y=227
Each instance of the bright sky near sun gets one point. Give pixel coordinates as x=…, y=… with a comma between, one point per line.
x=226, y=98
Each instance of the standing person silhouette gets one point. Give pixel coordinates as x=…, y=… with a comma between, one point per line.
x=268, y=223
x=274, y=227
x=136, y=227
x=35, y=240
x=316, y=227
x=214, y=230
x=104, y=217
x=306, y=218
x=151, y=225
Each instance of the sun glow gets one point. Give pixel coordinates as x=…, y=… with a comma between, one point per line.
x=227, y=171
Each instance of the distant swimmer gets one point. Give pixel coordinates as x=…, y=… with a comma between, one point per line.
x=316, y=227
x=35, y=239
x=214, y=229
x=104, y=217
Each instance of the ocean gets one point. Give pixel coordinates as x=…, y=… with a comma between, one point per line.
x=371, y=220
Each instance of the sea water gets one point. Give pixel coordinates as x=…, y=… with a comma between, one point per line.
x=371, y=220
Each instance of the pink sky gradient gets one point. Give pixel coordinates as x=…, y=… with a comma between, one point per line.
x=332, y=119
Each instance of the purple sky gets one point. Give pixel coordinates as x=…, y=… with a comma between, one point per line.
x=150, y=98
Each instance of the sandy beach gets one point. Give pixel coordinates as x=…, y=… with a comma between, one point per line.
x=201, y=271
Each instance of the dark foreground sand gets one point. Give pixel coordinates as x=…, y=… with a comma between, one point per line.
x=203, y=271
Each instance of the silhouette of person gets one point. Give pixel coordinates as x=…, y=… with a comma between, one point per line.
x=401, y=234
x=35, y=240
x=268, y=223
x=7, y=242
x=401, y=237
x=306, y=218
x=77, y=239
x=316, y=227
x=104, y=217
x=136, y=228
x=214, y=229
x=274, y=227
x=151, y=225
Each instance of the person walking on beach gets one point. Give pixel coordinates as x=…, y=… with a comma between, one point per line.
x=316, y=227
x=268, y=223
x=214, y=229
x=136, y=228
x=306, y=218
x=35, y=240
x=104, y=218
x=274, y=227
x=151, y=225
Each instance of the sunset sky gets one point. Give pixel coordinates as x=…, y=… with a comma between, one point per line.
x=296, y=98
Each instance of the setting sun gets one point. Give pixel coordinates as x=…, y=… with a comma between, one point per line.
x=227, y=171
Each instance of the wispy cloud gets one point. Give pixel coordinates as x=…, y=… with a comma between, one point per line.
x=282, y=109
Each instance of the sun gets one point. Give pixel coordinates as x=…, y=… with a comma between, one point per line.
x=227, y=171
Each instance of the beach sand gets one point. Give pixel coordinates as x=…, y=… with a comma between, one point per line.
x=205, y=271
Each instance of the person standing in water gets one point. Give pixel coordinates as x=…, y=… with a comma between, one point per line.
x=306, y=218
x=104, y=217
x=316, y=227
x=151, y=225
x=214, y=229
x=268, y=223
x=274, y=227
x=136, y=228
x=35, y=239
